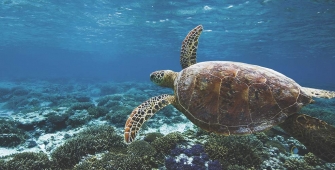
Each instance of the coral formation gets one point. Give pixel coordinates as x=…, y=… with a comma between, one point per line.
x=81, y=106
x=117, y=110
x=172, y=163
x=114, y=161
x=16, y=103
x=117, y=117
x=140, y=155
x=193, y=157
x=122, y=161
x=56, y=121
x=312, y=160
x=195, y=150
x=20, y=99
x=97, y=111
x=26, y=160
x=214, y=165
x=10, y=134
x=244, y=151
x=90, y=141
x=295, y=164
x=78, y=118
x=166, y=143
x=141, y=148
x=150, y=137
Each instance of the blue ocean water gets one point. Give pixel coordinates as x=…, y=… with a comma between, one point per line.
x=127, y=40
x=69, y=65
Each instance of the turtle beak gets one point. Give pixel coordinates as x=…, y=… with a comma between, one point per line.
x=152, y=76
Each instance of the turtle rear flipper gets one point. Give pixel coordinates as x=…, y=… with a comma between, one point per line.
x=315, y=134
x=144, y=112
x=319, y=93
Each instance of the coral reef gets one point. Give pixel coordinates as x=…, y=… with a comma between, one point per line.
x=295, y=164
x=181, y=164
x=166, y=143
x=90, y=141
x=56, y=121
x=20, y=99
x=139, y=155
x=78, y=118
x=26, y=160
x=150, y=137
x=214, y=165
x=117, y=117
x=98, y=111
x=111, y=161
x=81, y=106
x=195, y=150
x=47, y=115
x=141, y=148
x=118, y=106
x=10, y=134
x=187, y=158
x=232, y=150
x=312, y=160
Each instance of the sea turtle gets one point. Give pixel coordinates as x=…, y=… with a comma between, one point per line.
x=227, y=98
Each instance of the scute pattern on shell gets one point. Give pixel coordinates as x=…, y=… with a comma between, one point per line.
x=236, y=98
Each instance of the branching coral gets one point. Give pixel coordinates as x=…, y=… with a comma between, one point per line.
x=81, y=106
x=295, y=164
x=139, y=155
x=90, y=141
x=235, y=150
x=150, y=137
x=141, y=148
x=312, y=160
x=167, y=143
x=26, y=160
x=10, y=134
x=97, y=111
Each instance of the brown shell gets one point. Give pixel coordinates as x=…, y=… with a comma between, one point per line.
x=236, y=98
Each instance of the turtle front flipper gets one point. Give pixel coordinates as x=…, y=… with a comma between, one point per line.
x=319, y=93
x=144, y=112
x=315, y=134
x=189, y=47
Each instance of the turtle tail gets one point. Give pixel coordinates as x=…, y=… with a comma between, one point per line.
x=315, y=134
x=144, y=112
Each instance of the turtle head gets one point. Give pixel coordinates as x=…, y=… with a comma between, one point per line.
x=164, y=78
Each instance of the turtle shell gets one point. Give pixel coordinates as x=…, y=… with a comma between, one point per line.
x=236, y=98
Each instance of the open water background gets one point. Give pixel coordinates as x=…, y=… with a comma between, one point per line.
x=119, y=41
